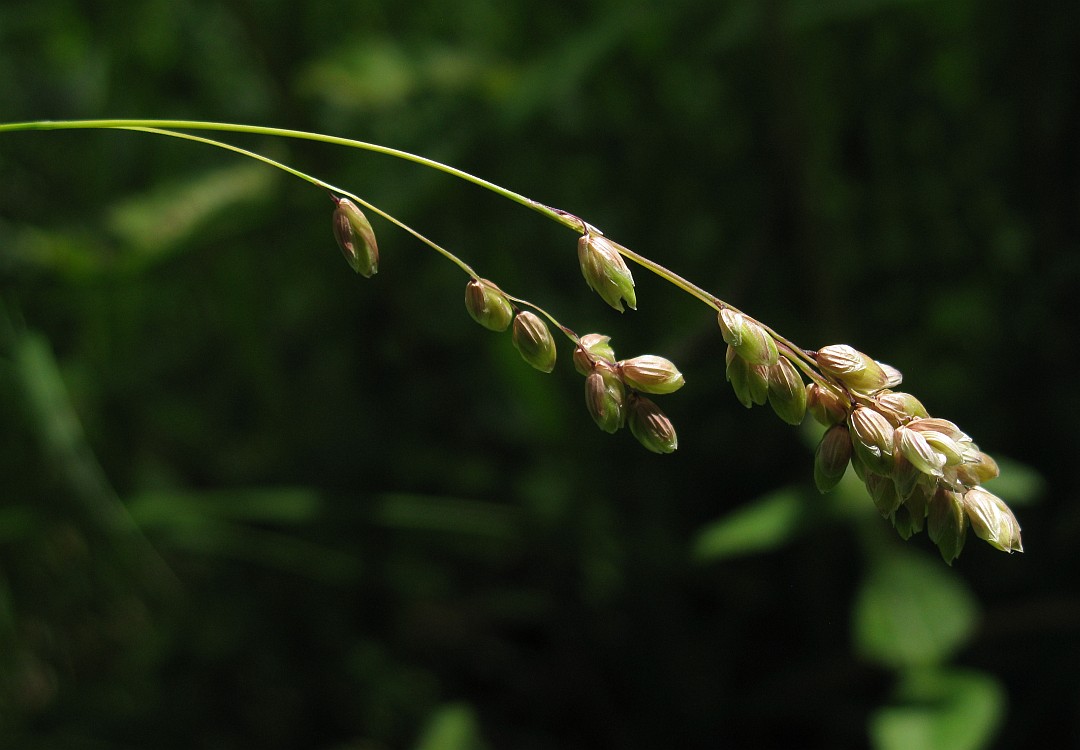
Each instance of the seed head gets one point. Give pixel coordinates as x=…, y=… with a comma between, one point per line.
x=605, y=398
x=910, y=517
x=992, y=520
x=487, y=305
x=955, y=445
x=905, y=524
x=651, y=374
x=946, y=524
x=872, y=438
x=831, y=457
x=883, y=492
x=651, y=426
x=945, y=438
x=605, y=271
x=827, y=405
x=591, y=348
x=750, y=382
x=355, y=237
x=899, y=408
x=907, y=477
x=917, y=450
x=852, y=368
x=978, y=469
x=944, y=426
x=532, y=338
x=747, y=337
x=893, y=377
x=787, y=394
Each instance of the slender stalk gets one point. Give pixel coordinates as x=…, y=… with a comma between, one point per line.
x=525, y=303
x=660, y=437
x=167, y=127
x=564, y=218
x=690, y=288
x=340, y=191
x=314, y=181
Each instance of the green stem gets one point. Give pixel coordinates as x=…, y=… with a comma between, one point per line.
x=164, y=127
x=555, y=214
x=671, y=277
x=525, y=303
x=167, y=127
x=314, y=181
x=371, y=207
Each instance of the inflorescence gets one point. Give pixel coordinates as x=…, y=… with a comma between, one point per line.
x=920, y=471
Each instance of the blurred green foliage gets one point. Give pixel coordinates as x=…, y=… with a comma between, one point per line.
x=250, y=501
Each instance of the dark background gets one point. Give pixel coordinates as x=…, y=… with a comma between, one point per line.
x=249, y=499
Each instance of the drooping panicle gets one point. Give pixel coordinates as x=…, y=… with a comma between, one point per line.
x=592, y=348
x=787, y=393
x=651, y=374
x=356, y=238
x=872, y=439
x=899, y=408
x=605, y=398
x=991, y=520
x=945, y=523
x=831, y=457
x=827, y=405
x=651, y=426
x=750, y=382
x=532, y=338
x=487, y=305
x=851, y=367
x=605, y=271
x=747, y=337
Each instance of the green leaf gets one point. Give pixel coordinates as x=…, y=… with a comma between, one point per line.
x=766, y=523
x=940, y=710
x=452, y=727
x=912, y=611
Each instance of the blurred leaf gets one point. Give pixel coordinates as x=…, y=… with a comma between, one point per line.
x=912, y=611
x=154, y=224
x=89, y=496
x=149, y=226
x=60, y=431
x=764, y=524
x=276, y=505
x=223, y=523
x=940, y=710
x=46, y=395
x=74, y=253
x=373, y=74
x=446, y=514
x=453, y=727
x=382, y=74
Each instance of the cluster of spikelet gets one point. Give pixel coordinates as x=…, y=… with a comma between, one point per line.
x=920, y=471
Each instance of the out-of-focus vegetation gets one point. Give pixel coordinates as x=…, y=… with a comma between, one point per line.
x=248, y=499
